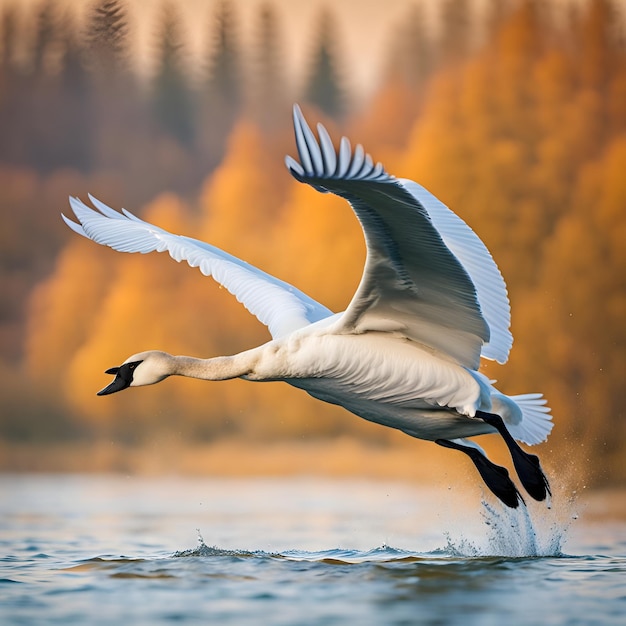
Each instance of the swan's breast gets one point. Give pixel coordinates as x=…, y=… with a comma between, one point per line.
x=375, y=368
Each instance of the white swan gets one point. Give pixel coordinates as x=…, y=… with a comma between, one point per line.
x=405, y=352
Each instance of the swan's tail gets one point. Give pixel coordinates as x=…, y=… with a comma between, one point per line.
x=536, y=422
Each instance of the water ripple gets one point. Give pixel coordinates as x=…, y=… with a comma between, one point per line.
x=72, y=554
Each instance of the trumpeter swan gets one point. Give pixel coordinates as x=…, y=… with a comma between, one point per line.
x=404, y=354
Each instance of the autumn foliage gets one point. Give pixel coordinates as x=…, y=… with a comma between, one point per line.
x=524, y=137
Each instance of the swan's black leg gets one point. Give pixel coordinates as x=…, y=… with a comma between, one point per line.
x=495, y=477
x=526, y=465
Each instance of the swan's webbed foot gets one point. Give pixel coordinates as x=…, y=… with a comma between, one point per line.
x=526, y=465
x=496, y=477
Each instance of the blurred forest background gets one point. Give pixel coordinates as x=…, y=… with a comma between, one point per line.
x=513, y=113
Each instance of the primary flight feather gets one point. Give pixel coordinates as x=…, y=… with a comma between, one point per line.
x=404, y=354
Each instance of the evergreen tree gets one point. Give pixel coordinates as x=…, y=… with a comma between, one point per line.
x=120, y=117
x=324, y=88
x=268, y=101
x=107, y=33
x=412, y=59
x=173, y=106
x=46, y=35
x=44, y=133
x=224, y=84
x=77, y=113
x=221, y=97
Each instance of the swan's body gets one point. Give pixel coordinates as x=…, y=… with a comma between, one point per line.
x=406, y=351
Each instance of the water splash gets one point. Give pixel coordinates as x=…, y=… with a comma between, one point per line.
x=538, y=531
x=202, y=549
x=334, y=556
x=535, y=530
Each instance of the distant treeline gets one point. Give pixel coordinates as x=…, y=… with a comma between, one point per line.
x=76, y=101
x=523, y=135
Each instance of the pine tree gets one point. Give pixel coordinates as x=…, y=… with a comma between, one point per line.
x=107, y=34
x=324, y=88
x=46, y=35
x=120, y=117
x=224, y=84
x=412, y=58
x=268, y=101
x=77, y=112
x=173, y=106
x=221, y=96
x=44, y=133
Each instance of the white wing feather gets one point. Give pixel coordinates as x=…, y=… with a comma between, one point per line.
x=278, y=305
x=426, y=270
x=479, y=264
x=412, y=284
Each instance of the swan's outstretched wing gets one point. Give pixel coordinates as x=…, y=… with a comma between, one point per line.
x=427, y=275
x=278, y=305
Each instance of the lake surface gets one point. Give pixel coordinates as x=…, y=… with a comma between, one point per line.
x=126, y=550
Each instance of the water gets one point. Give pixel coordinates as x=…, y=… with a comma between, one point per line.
x=115, y=550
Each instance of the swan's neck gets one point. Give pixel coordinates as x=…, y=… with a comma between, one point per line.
x=218, y=368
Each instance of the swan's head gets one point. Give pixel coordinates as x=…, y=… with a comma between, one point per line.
x=145, y=368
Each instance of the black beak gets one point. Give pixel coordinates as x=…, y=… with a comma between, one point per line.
x=119, y=382
x=123, y=378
